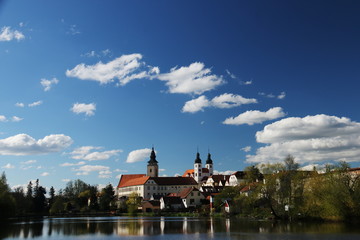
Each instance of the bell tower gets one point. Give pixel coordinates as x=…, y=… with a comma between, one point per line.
x=197, y=168
x=152, y=167
x=209, y=164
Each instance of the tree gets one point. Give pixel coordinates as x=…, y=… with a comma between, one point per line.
x=133, y=202
x=39, y=198
x=107, y=197
x=7, y=201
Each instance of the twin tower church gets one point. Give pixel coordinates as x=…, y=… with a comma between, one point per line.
x=151, y=184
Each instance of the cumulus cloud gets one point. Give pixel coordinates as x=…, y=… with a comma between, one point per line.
x=227, y=172
x=72, y=164
x=254, y=116
x=8, y=166
x=34, y=104
x=20, y=104
x=16, y=119
x=47, y=84
x=319, y=138
x=194, y=79
x=196, y=105
x=138, y=155
x=7, y=34
x=282, y=95
x=246, y=149
x=87, y=153
x=29, y=162
x=44, y=174
x=124, y=69
x=23, y=144
x=13, y=119
x=87, y=169
x=87, y=109
x=226, y=100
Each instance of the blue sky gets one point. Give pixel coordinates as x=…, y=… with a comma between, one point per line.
x=88, y=87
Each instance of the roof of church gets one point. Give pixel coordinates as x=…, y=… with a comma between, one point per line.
x=174, y=180
x=152, y=160
x=140, y=179
x=190, y=172
x=132, y=180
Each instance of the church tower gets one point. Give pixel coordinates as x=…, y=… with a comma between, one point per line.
x=197, y=168
x=152, y=167
x=209, y=164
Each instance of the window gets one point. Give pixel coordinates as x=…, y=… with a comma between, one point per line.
x=191, y=201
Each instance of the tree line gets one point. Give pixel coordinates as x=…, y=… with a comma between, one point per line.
x=285, y=192
x=76, y=197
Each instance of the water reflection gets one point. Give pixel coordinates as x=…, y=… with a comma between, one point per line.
x=208, y=227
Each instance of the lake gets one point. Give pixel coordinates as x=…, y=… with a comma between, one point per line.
x=174, y=228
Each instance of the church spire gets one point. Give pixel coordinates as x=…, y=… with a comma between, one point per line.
x=152, y=157
x=152, y=167
x=197, y=160
x=209, y=160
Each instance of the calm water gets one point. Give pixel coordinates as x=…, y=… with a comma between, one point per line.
x=173, y=228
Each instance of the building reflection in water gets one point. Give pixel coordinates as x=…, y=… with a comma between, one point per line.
x=145, y=226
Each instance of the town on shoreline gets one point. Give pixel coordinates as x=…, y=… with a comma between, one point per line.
x=267, y=191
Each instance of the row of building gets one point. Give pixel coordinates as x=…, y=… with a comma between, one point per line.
x=187, y=191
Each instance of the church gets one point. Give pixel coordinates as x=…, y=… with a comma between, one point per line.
x=150, y=184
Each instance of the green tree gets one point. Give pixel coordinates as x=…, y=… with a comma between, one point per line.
x=133, y=202
x=39, y=198
x=107, y=197
x=7, y=201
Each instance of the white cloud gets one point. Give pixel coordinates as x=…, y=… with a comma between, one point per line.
x=87, y=153
x=72, y=164
x=162, y=170
x=20, y=104
x=227, y=172
x=246, y=149
x=196, y=105
x=88, y=109
x=319, y=138
x=47, y=84
x=65, y=180
x=125, y=69
x=194, y=79
x=282, y=95
x=7, y=34
x=34, y=104
x=13, y=119
x=120, y=170
x=230, y=74
x=16, y=119
x=247, y=82
x=44, y=174
x=254, y=116
x=8, y=166
x=29, y=162
x=226, y=100
x=87, y=169
x=73, y=30
x=23, y=144
x=138, y=155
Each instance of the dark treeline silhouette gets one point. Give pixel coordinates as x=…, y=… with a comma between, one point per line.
x=77, y=197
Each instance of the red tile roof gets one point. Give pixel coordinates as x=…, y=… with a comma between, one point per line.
x=174, y=180
x=127, y=180
x=190, y=172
